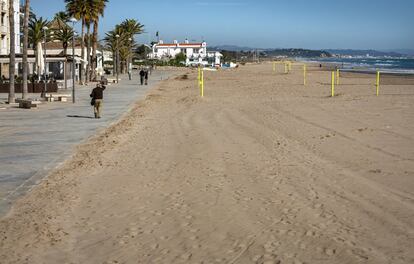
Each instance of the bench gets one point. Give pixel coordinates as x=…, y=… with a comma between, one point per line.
x=112, y=80
x=27, y=103
x=57, y=97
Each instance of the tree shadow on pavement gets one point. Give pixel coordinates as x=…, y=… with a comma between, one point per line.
x=78, y=116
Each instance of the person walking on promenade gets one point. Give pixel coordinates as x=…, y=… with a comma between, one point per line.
x=97, y=99
x=142, y=75
x=146, y=77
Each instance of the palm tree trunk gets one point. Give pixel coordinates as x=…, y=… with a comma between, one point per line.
x=94, y=48
x=35, y=66
x=12, y=63
x=25, y=64
x=88, y=52
x=65, y=67
x=114, y=61
x=81, y=72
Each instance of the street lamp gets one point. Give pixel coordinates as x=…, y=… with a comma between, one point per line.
x=130, y=60
x=117, y=58
x=43, y=95
x=73, y=20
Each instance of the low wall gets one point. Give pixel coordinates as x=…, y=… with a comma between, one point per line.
x=31, y=87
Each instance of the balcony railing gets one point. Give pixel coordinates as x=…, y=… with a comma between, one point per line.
x=3, y=7
x=4, y=51
x=3, y=30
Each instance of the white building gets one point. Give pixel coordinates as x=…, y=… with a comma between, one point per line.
x=5, y=31
x=196, y=53
x=5, y=28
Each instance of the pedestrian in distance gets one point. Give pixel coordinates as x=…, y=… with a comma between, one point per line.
x=97, y=99
x=146, y=77
x=142, y=76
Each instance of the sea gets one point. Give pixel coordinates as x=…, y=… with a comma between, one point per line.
x=391, y=65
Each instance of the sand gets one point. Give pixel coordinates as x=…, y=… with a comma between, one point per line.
x=260, y=170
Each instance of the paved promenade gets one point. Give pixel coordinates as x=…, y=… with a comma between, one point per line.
x=34, y=141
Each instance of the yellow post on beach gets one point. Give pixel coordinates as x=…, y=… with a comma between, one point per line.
x=333, y=85
x=304, y=74
x=337, y=77
x=202, y=84
x=199, y=76
x=274, y=66
x=286, y=67
x=378, y=82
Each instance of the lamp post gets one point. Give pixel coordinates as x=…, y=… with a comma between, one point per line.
x=44, y=91
x=117, y=58
x=73, y=20
x=130, y=60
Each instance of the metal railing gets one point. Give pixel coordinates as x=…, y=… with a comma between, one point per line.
x=3, y=7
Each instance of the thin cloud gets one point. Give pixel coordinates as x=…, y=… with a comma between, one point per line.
x=220, y=3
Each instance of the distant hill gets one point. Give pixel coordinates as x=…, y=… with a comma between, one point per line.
x=408, y=52
x=304, y=53
x=232, y=50
x=373, y=53
x=318, y=53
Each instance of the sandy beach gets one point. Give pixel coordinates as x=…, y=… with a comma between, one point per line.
x=260, y=170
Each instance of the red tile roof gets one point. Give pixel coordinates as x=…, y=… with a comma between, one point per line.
x=179, y=44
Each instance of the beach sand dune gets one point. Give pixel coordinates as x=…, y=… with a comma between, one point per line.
x=260, y=170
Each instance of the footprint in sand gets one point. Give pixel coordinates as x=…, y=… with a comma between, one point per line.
x=329, y=251
x=149, y=231
x=359, y=253
x=194, y=230
x=185, y=224
x=310, y=233
x=154, y=246
x=291, y=233
x=165, y=251
x=317, y=206
x=186, y=256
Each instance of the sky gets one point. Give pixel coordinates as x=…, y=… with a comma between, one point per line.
x=311, y=24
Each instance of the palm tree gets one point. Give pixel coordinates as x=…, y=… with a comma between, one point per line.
x=88, y=22
x=64, y=35
x=62, y=17
x=12, y=63
x=36, y=35
x=98, y=11
x=25, y=47
x=111, y=44
x=79, y=9
x=125, y=43
x=130, y=27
